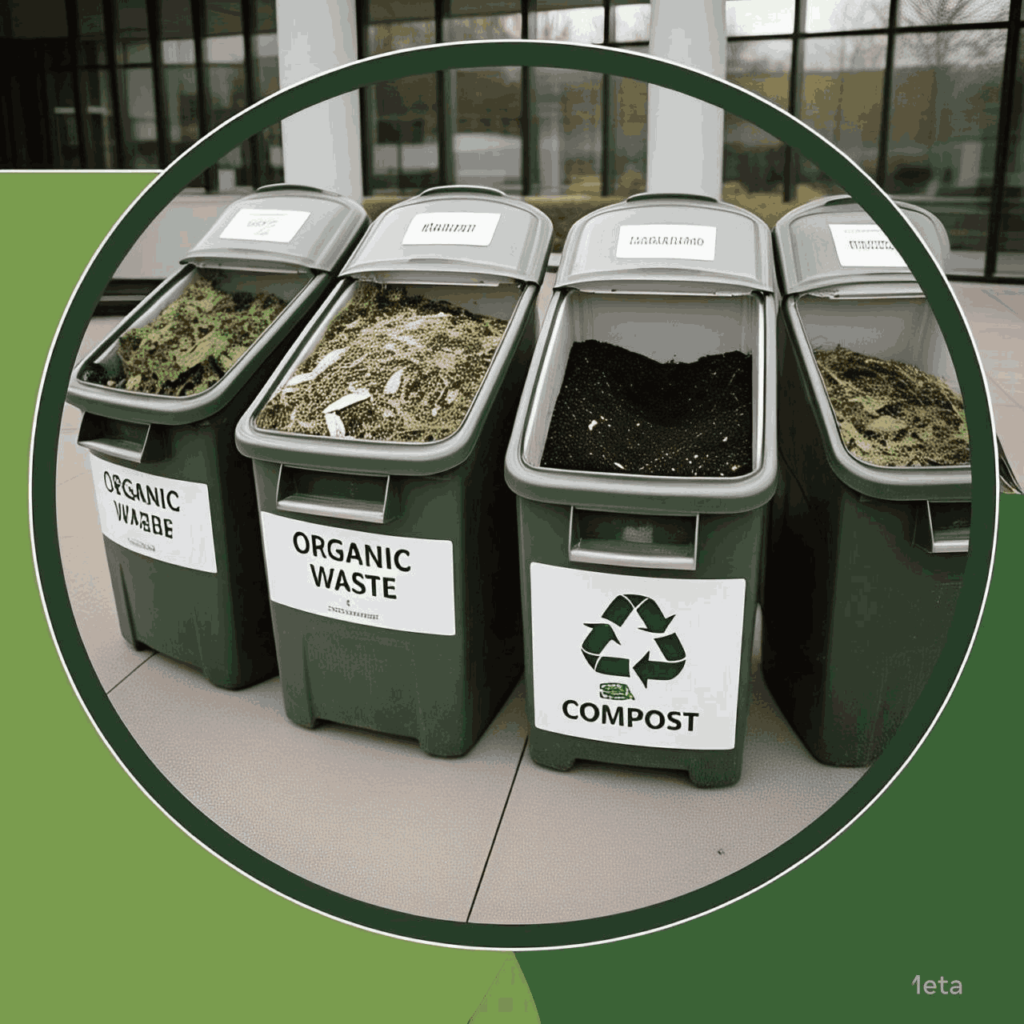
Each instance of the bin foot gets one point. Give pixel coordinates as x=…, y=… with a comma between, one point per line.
x=714, y=774
x=546, y=759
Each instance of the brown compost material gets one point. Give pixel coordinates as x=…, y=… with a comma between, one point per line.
x=893, y=414
x=390, y=367
x=192, y=343
x=621, y=412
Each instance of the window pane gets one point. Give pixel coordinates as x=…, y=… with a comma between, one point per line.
x=487, y=145
x=567, y=118
x=92, y=42
x=224, y=56
x=396, y=35
x=943, y=133
x=266, y=16
x=140, y=117
x=631, y=23
x=754, y=159
x=61, y=95
x=132, y=33
x=844, y=15
x=1010, y=262
x=403, y=137
x=950, y=12
x=759, y=17
x=842, y=99
x=99, y=118
x=567, y=21
x=629, y=159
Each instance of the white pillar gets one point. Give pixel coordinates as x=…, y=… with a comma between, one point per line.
x=685, y=136
x=322, y=144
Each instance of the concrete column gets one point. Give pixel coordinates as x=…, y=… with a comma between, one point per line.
x=684, y=135
x=322, y=144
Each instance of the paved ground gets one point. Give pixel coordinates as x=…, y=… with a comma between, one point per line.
x=489, y=837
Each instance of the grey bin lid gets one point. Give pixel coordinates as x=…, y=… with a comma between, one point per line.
x=656, y=242
x=417, y=241
x=282, y=227
x=813, y=241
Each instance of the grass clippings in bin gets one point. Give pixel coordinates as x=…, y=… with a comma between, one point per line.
x=893, y=414
x=390, y=367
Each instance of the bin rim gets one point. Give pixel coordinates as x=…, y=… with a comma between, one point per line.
x=370, y=457
x=180, y=410
x=434, y=268
x=792, y=282
x=660, y=495
x=884, y=483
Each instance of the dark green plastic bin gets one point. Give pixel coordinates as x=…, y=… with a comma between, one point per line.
x=176, y=501
x=425, y=639
x=865, y=562
x=640, y=592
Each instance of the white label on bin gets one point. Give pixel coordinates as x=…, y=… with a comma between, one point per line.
x=402, y=583
x=674, y=241
x=265, y=225
x=165, y=519
x=646, y=661
x=451, y=229
x=864, y=245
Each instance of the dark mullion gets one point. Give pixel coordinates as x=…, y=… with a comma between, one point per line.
x=888, y=97
x=526, y=125
x=202, y=99
x=110, y=36
x=995, y=222
x=84, y=154
x=791, y=159
x=255, y=145
x=365, y=114
x=607, y=121
x=163, y=130
x=958, y=27
x=445, y=112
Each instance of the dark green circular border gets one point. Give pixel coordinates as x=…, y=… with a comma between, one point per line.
x=450, y=56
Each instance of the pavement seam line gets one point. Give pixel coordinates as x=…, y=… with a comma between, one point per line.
x=501, y=818
x=150, y=656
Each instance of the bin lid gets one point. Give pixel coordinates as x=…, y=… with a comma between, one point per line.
x=455, y=232
x=283, y=227
x=656, y=242
x=833, y=241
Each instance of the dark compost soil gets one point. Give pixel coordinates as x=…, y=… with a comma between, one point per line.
x=621, y=412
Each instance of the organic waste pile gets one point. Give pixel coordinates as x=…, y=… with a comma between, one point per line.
x=621, y=412
x=390, y=367
x=893, y=414
x=193, y=342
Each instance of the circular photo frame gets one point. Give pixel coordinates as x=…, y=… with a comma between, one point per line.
x=454, y=56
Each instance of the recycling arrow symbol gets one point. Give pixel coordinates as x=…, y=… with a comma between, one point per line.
x=654, y=621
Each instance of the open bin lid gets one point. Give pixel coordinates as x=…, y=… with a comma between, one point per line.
x=656, y=242
x=282, y=227
x=456, y=233
x=832, y=242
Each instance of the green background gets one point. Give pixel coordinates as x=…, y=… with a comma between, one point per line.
x=112, y=907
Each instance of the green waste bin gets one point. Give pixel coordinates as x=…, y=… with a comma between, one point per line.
x=640, y=590
x=176, y=501
x=866, y=561
x=392, y=563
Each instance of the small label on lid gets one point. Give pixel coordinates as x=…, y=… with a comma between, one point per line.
x=451, y=229
x=672, y=241
x=865, y=245
x=257, y=225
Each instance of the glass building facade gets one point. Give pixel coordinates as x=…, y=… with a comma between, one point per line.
x=925, y=95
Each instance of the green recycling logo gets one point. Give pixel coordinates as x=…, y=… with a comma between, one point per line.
x=602, y=634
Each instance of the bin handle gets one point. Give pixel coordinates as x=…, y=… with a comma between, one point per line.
x=281, y=186
x=486, y=189
x=291, y=499
x=641, y=197
x=627, y=555
x=118, y=439
x=939, y=538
